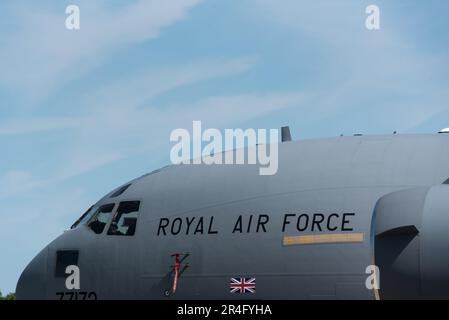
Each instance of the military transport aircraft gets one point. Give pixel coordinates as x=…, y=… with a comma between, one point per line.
x=335, y=207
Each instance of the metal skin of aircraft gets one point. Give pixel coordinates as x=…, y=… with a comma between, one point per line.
x=334, y=207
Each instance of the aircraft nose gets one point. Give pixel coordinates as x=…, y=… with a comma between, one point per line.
x=32, y=282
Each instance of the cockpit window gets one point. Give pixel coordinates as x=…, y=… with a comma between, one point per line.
x=120, y=191
x=86, y=216
x=125, y=220
x=101, y=218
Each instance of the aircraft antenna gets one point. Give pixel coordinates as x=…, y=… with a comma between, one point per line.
x=285, y=134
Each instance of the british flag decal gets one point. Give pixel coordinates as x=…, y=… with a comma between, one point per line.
x=242, y=285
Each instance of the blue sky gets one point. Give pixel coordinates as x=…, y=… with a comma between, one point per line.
x=82, y=112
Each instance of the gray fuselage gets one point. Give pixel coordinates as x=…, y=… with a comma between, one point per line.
x=306, y=232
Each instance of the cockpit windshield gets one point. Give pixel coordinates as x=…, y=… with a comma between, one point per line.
x=101, y=218
x=86, y=216
x=125, y=220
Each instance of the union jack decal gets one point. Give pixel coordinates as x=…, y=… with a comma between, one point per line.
x=242, y=285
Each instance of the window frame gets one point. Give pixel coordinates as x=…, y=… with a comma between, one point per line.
x=106, y=226
x=78, y=223
x=137, y=219
x=120, y=190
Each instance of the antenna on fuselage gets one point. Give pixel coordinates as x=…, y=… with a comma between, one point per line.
x=285, y=134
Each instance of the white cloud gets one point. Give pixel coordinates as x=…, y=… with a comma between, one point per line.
x=229, y=111
x=113, y=122
x=359, y=71
x=152, y=83
x=32, y=125
x=18, y=181
x=39, y=55
x=82, y=163
x=128, y=131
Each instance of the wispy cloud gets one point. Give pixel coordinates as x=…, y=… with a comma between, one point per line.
x=17, y=181
x=230, y=111
x=147, y=132
x=38, y=54
x=135, y=89
x=115, y=121
x=128, y=131
x=39, y=124
x=361, y=72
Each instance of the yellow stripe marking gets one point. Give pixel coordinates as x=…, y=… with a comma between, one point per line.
x=323, y=238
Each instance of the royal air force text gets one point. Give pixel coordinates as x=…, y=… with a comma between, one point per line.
x=260, y=223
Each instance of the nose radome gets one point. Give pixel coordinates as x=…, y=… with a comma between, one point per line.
x=32, y=281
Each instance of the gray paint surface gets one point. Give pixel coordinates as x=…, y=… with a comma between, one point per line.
x=326, y=176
